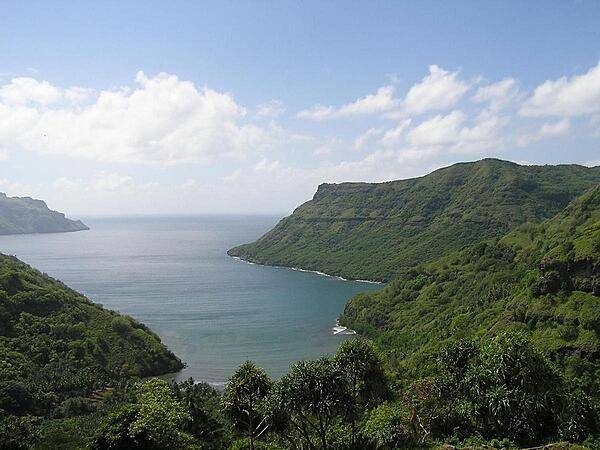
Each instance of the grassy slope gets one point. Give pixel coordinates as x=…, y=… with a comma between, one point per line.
x=19, y=215
x=372, y=231
x=543, y=279
x=58, y=344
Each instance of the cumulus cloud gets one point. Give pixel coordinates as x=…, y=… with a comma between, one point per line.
x=264, y=165
x=24, y=90
x=271, y=109
x=382, y=100
x=393, y=136
x=566, y=96
x=365, y=137
x=162, y=120
x=439, y=130
x=437, y=91
x=559, y=128
x=545, y=131
x=451, y=133
x=498, y=95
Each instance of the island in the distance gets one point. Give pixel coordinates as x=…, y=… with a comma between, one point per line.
x=24, y=215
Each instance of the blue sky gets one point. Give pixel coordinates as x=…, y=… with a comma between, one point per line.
x=225, y=107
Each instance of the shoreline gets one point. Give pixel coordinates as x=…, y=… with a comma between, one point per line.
x=298, y=269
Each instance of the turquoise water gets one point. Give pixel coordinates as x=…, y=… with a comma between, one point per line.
x=174, y=275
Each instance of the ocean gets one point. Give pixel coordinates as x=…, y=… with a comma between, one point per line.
x=174, y=275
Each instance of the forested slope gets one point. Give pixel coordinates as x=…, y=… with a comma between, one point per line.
x=56, y=345
x=542, y=279
x=374, y=230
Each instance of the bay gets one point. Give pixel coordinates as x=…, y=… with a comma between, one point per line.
x=213, y=311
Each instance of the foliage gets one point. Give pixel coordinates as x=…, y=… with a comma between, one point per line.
x=389, y=427
x=58, y=350
x=362, y=367
x=243, y=398
x=497, y=286
x=491, y=344
x=504, y=389
x=375, y=230
x=16, y=432
x=307, y=403
x=154, y=421
x=203, y=404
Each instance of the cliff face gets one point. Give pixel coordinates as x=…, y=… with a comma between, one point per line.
x=22, y=215
x=373, y=230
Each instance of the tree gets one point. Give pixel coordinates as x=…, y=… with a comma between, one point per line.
x=309, y=402
x=506, y=388
x=154, y=421
x=242, y=400
x=516, y=391
x=202, y=402
x=388, y=427
x=362, y=368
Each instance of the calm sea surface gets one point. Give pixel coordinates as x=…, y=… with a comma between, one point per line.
x=173, y=274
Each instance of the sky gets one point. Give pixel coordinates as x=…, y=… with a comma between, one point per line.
x=227, y=107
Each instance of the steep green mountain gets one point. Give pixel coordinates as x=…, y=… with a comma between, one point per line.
x=541, y=279
x=374, y=230
x=56, y=345
x=21, y=215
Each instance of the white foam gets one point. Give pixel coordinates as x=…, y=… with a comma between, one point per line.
x=299, y=269
x=340, y=329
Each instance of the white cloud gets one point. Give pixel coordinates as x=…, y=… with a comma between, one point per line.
x=566, y=97
x=393, y=136
x=365, y=137
x=77, y=95
x=14, y=188
x=498, y=95
x=327, y=146
x=163, y=120
x=559, y=128
x=382, y=100
x=67, y=184
x=104, y=181
x=233, y=176
x=23, y=90
x=545, y=131
x=271, y=109
x=265, y=166
x=450, y=134
x=440, y=130
x=437, y=91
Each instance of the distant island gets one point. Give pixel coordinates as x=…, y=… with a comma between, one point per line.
x=24, y=215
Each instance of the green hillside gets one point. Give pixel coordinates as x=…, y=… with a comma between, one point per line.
x=374, y=230
x=21, y=215
x=543, y=280
x=56, y=345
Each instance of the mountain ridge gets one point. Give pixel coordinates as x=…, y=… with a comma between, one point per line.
x=371, y=230
x=26, y=215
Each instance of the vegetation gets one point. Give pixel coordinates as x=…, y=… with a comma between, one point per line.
x=19, y=215
x=59, y=352
x=374, y=230
x=501, y=392
x=492, y=345
x=542, y=280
